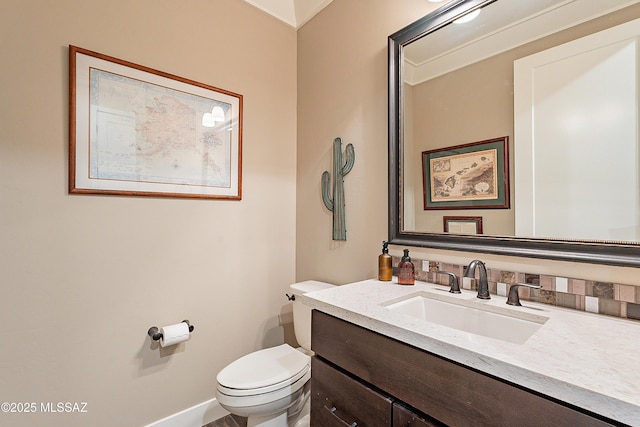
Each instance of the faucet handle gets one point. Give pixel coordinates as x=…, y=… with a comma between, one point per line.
x=454, y=284
x=514, y=298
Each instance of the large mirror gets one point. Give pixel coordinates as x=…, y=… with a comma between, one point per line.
x=515, y=133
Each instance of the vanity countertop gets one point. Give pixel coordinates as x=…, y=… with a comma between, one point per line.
x=588, y=360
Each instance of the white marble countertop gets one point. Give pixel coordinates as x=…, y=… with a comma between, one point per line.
x=591, y=361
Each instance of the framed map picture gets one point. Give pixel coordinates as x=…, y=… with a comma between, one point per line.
x=138, y=131
x=469, y=176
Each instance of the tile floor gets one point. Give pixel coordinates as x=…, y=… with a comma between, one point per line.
x=229, y=421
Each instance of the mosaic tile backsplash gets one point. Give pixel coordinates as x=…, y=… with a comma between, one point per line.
x=595, y=297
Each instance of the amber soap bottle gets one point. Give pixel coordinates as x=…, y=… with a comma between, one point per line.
x=385, y=267
x=406, y=270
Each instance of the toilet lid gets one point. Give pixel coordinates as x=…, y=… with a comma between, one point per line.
x=264, y=368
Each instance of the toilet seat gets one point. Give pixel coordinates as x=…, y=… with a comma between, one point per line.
x=271, y=387
x=265, y=371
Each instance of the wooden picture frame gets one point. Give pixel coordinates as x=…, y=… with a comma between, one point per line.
x=468, y=176
x=138, y=131
x=462, y=224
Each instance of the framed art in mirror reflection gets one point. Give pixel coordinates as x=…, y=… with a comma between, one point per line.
x=468, y=176
x=462, y=224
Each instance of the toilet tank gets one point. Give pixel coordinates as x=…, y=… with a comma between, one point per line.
x=302, y=313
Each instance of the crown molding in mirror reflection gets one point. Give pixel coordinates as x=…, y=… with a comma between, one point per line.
x=596, y=252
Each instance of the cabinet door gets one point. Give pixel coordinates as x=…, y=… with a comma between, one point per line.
x=405, y=417
x=337, y=400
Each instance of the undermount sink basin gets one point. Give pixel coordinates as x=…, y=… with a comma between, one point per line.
x=469, y=315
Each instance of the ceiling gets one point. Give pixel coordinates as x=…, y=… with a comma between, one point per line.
x=501, y=26
x=293, y=12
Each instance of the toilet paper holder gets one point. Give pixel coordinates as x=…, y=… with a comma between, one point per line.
x=156, y=335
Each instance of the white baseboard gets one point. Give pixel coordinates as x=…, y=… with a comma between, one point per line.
x=196, y=416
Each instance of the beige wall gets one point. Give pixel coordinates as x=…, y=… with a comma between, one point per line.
x=342, y=91
x=84, y=277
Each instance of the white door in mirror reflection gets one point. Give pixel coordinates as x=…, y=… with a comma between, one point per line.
x=576, y=143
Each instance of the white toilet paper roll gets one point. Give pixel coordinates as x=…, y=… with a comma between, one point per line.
x=174, y=334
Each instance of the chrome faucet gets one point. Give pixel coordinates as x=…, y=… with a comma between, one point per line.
x=483, y=283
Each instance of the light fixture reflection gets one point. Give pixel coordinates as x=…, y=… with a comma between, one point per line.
x=209, y=120
x=468, y=17
x=218, y=114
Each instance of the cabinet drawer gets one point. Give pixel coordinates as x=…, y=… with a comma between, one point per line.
x=338, y=400
x=448, y=392
x=405, y=417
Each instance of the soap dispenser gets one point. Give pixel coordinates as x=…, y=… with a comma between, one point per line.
x=406, y=270
x=385, y=267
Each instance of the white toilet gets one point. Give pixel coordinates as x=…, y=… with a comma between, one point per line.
x=271, y=387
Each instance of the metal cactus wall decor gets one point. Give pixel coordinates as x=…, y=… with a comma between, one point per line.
x=341, y=167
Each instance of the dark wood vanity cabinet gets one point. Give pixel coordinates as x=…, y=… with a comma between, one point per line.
x=338, y=400
x=361, y=377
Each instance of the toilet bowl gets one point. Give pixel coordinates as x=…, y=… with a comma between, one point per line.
x=265, y=382
x=271, y=387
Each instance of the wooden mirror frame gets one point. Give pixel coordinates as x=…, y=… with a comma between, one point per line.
x=626, y=254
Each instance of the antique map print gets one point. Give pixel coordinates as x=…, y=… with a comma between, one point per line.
x=464, y=176
x=149, y=133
